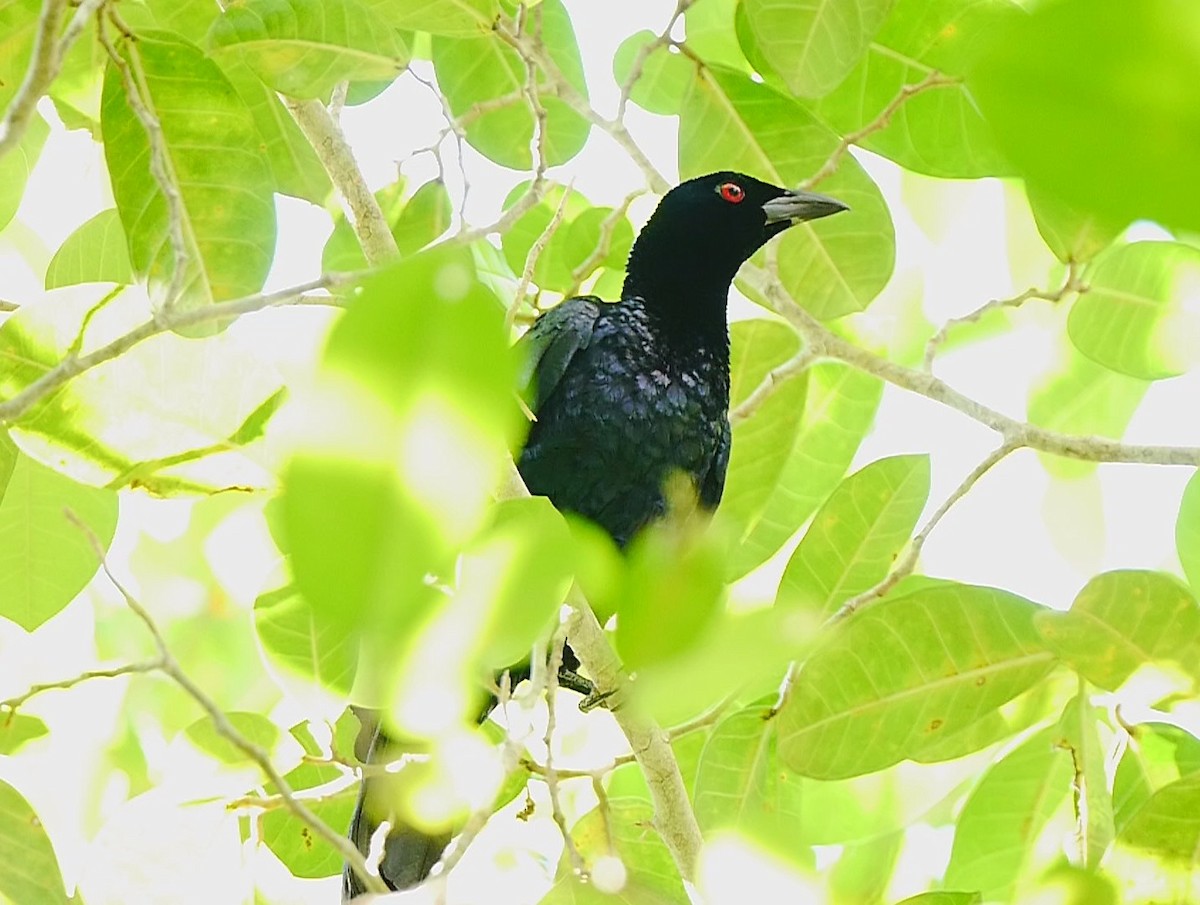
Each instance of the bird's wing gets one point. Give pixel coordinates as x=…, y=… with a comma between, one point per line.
x=549, y=345
x=713, y=483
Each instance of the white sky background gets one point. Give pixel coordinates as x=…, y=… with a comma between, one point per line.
x=1017, y=529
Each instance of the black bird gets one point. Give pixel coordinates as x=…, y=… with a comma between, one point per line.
x=628, y=393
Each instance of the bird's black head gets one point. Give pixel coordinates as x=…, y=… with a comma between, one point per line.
x=704, y=230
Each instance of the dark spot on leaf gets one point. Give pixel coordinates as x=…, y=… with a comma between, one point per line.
x=935, y=725
x=982, y=680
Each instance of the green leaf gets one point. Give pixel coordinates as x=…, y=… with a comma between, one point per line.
x=211, y=143
x=864, y=871
x=763, y=441
x=944, y=898
x=839, y=408
x=938, y=131
x=1121, y=620
x=95, y=253
x=16, y=729
x=552, y=270
x=485, y=70
x=810, y=45
x=998, y=826
x=415, y=221
x=302, y=852
x=170, y=414
x=585, y=236
x=741, y=784
x=664, y=76
x=1081, y=397
x=253, y=727
x=407, y=428
x=44, y=559
x=907, y=670
x=831, y=267
x=1113, y=137
x=455, y=18
x=711, y=34
x=650, y=875
x=18, y=27
x=1072, y=234
x=1080, y=735
x=856, y=536
x=1187, y=531
x=1158, y=754
x=303, y=48
x=1138, y=316
x=17, y=164
x=1168, y=824
x=294, y=641
x=33, y=875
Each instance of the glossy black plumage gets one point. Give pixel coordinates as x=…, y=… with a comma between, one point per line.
x=627, y=393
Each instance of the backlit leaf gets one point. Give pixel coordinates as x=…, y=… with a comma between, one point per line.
x=95, y=253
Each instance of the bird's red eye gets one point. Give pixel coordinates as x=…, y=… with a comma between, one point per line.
x=731, y=192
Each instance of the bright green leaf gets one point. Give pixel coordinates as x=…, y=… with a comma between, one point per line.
x=998, y=827
x=16, y=729
x=32, y=876
x=839, y=408
x=907, y=670
x=45, y=560
x=664, y=76
x=1157, y=755
x=303, y=48
x=1187, y=531
x=17, y=164
x=1168, y=824
x=1122, y=620
x=811, y=45
x=938, y=131
x=95, y=253
x=1081, y=736
x=833, y=266
x=485, y=70
x=456, y=18
x=1072, y=234
x=944, y=898
x=292, y=638
x=253, y=727
x=415, y=221
x=1139, y=316
x=211, y=143
x=292, y=841
x=854, y=539
x=1117, y=136
x=18, y=27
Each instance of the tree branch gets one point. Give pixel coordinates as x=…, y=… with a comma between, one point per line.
x=170, y=667
x=43, y=67
x=12, y=705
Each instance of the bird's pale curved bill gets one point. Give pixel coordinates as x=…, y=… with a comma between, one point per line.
x=799, y=205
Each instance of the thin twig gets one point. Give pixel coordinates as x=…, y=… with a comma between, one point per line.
x=608, y=230
x=775, y=378
x=137, y=96
x=12, y=705
x=1071, y=283
x=550, y=774
x=934, y=79
x=531, y=259
x=643, y=54
x=170, y=667
x=1012, y=430
x=907, y=563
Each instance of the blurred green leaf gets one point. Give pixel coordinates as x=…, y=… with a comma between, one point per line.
x=904, y=671
x=839, y=408
x=763, y=441
x=18, y=27
x=741, y=784
x=1115, y=137
x=864, y=871
x=1138, y=317
x=664, y=76
x=1187, y=531
x=996, y=832
x=211, y=142
x=303, y=48
x=302, y=852
x=810, y=46
x=1157, y=754
x=1121, y=620
x=16, y=166
x=16, y=729
x=944, y=898
x=1168, y=824
x=32, y=875
x=1081, y=397
x=831, y=267
x=1080, y=734
x=938, y=131
x=1072, y=234
x=407, y=431
x=253, y=727
x=857, y=535
x=95, y=253
x=483, y=70
x=44, y=559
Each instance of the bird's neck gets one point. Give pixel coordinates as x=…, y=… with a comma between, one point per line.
x=687, y=303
